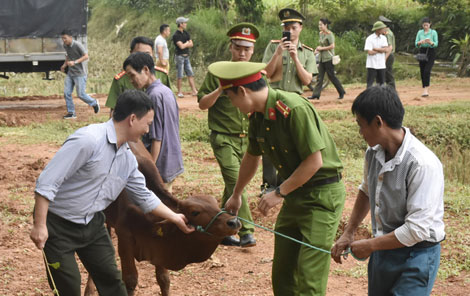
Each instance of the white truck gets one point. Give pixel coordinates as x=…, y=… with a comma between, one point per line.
x=30, y=33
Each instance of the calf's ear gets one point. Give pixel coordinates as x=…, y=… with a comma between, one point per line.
x=163, y=229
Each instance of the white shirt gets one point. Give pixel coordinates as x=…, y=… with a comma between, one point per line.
x=160, y=41
x=376, y=61
x=406, y=193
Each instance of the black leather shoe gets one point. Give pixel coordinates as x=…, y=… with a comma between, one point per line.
x=230, y=241
x=247, y=240
x=341, y=96
x=313, y=98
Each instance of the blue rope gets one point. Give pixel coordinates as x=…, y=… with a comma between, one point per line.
x=348, y=251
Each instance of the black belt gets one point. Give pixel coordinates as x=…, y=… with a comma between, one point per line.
x=242, y=135
x=326, y=181
x=424, y=244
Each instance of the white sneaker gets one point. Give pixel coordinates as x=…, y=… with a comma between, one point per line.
x=180, y=95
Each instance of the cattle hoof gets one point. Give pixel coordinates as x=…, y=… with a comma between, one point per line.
x=230, y=241
x=247, y=240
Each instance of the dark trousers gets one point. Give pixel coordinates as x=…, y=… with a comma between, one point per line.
x=377, y=75
x=329, y=68
x=389, y=79
x=93, y=246
x=426, y=67
x=271, y=178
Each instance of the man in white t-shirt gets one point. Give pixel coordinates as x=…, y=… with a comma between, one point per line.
x=376, y=47
x=161, y=48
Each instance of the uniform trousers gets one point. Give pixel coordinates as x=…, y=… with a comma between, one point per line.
x=389, y=78
x=93, y=246
x=229, y=151
x=328, y=68
x=404, y=271
x=377, y=75
x=310, y=215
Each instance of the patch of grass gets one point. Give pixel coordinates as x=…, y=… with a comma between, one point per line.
x=49, y=132
x=360, y=270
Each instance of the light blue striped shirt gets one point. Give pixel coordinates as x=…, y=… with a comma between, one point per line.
x=88, y=173
x=406, y=193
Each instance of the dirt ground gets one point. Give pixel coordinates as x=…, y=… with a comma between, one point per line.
x=230, y=271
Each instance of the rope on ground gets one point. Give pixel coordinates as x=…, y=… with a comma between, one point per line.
x=348, y=251
x=55, y=291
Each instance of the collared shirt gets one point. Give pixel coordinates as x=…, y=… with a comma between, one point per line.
x=290, y=81
x=183, y=37
x=406, y=193
x=165, y=128
x=376, y=61
x=431, y=34
x=75, y=51
x=326, y=40
x=289, y=136
x=88, y=173
x=223, y=117
x=122, y=82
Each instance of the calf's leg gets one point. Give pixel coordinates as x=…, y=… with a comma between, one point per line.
x=163, y=280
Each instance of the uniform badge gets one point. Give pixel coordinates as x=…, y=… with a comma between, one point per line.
x=246, y=31
x=281, y=107
x=259, y=139
x=272, y=114
x=286, y=13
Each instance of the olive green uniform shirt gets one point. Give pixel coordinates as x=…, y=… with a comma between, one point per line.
x=122, y=82
x=223, y=116
x=326, y=40
x=290, y=81
x=288, y=132
x=391, y=39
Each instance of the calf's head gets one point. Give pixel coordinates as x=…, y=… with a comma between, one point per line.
x=204, y=213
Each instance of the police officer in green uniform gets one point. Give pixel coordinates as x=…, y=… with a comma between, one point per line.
x=389, y=79
x=229, y=126
x=286, y=127
x=122, y=82
x=290, y=66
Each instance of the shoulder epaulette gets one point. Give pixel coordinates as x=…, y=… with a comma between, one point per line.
x=161, y=70
x=119, y=75
x=275, y=41
x=307, y=47
x=281, y=107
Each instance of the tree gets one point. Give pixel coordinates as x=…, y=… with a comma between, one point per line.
x=250, y=10
x=463, y=53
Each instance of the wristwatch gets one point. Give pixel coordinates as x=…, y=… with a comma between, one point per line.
x=278, y=192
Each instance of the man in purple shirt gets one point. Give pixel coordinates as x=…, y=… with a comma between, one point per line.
x=163, y=139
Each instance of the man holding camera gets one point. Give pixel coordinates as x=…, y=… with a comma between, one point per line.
x=290, y=66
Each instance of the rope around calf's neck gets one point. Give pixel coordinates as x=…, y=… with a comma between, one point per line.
x=348, y=251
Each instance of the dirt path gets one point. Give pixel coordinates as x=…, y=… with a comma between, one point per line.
x=231, y=271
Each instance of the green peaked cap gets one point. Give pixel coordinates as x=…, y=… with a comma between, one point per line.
x=233, y=73
x=378, y=25
x=247, y=30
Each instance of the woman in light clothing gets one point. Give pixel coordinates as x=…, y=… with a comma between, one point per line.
x=326, y=51
x=426, y=41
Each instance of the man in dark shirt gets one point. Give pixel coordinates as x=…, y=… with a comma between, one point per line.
x=183, y=43
x=76, y=64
